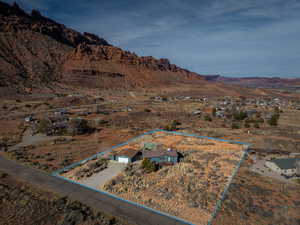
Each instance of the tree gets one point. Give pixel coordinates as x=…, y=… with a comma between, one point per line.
x=173, y=125
x=79, y=126
x=44, y=126
x=240, y=115
x=235, y=126
x=207, y=118
x=214, y=111
x=273, y=121
x=149, y=166
x=247, y=124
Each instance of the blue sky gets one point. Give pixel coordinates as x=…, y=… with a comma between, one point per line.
x=227, y=37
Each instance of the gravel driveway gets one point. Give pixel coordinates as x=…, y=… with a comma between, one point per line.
x=97, y=180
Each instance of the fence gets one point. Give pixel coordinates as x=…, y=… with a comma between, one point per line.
x=219, y=201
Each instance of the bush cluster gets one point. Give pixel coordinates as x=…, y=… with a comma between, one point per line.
x=149, y=166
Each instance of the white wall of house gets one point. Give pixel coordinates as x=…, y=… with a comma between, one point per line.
x=123, y=159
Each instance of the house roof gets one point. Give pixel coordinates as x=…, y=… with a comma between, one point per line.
x=159, y=153
x=129, y=152
x=285, y=164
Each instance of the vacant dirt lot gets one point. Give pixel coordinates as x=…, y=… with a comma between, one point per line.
x=254, y=199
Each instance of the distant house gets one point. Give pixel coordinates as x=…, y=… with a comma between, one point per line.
x=126, y=155
x=285, y=166
x=251, y=112
x=161, y=156
x=28, y=119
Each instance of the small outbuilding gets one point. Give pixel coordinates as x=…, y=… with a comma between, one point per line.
x=126, y=155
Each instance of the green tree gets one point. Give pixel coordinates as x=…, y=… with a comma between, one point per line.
x=214, y=111
x=149, y=166
x=44, y=126
x=235, y=126
x=207, y=118
x=273, y=121
x=247, y=124
x=79, y=126
x=256, y=125
x=172, y=126
x=240, y=115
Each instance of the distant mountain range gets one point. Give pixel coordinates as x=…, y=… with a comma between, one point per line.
x=257, y=82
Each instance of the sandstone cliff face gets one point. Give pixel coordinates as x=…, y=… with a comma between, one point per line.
x=36, y=51
x=12, y=18
x=105, y=66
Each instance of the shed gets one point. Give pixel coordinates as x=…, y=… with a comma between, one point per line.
x=126, y=155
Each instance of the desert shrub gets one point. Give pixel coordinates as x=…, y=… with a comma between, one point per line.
x=101, y=164
x=149, y=166
x=235, y=126
x=273, y=121
x=79, y=126
x=256, y=125
x=3, y=175
x=240, y=116
x=214, y=111
x=164, y=98
x=247, y=125
x=44, y=126
x=258, y=120
x=172, y=126
x=147, y=110
x=207, y=118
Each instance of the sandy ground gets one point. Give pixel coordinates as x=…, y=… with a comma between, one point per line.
x=97, y=180
x=29, y=139
x=259, y=167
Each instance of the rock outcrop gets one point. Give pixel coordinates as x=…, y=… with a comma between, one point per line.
x=36, y=51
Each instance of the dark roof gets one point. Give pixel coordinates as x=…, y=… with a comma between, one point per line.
x=285, y=164
x=129, y=152
x=159, y=153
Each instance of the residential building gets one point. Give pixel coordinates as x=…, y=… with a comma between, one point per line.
x=161, y=156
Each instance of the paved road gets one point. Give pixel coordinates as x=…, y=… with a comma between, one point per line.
x=131, y=213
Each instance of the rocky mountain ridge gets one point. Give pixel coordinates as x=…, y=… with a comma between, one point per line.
x=35, y=51
x=256, y=82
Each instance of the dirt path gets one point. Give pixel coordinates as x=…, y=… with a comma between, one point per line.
x=29, y=139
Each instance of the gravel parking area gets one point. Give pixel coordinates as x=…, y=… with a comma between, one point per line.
x=259, y=167
x=97, y=180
